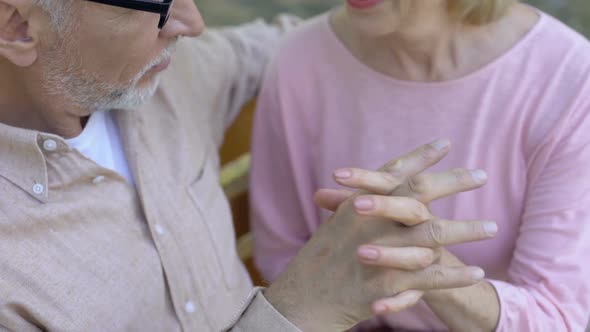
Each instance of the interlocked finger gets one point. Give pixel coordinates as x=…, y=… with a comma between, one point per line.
x=428, y=187
x=440, y=233
x=404, y=210
x=425, y=187
x=418, y=160
x=406, y=258
x=382, y=183
x=442, y=277
x=395, y=172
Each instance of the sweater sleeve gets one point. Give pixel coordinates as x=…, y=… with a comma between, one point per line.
x=548, y=288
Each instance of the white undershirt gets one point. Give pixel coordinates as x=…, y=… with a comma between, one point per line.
x=100, y=142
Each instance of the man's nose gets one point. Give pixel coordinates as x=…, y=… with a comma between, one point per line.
x=185, y=20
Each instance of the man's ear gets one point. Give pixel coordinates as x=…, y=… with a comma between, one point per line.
x=18, y=42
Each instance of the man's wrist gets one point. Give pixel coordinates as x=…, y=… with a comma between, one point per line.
x=297, y=312
x=286, y=306
x=261, y=315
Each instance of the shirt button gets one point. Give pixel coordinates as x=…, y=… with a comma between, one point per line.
x=189, y=307
x=159, y=229
x=50, y=145
x=38, y=189
x=98, y=180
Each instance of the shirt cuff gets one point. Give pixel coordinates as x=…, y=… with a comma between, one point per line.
x=260, y=315
x=511, y=301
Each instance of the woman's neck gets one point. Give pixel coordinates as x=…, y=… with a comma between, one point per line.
x=439, y=51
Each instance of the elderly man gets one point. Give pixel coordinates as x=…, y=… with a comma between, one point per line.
x=111, y=218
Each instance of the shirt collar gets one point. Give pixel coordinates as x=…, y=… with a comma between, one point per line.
x=22, y=158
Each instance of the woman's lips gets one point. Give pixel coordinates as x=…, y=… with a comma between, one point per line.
x=363, y=4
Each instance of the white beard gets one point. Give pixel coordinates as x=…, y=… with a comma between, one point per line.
x=87, y=92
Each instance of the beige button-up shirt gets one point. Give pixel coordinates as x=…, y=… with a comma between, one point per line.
x=83, y=250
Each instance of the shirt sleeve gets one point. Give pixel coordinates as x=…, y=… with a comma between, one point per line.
x=281, y=190
x=548, y=288
x=12, y=320
x=240, y=54
x=260, y=315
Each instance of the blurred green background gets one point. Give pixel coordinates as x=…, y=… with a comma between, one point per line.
x=220, y=12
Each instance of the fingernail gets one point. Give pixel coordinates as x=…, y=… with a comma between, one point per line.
x=441, y=144
x=369, y=254
x=478, y=275
x=364, y=204
x=380, y=308
x=479, y=176
x=491, y=228
x=343, y=174
x=398, y=166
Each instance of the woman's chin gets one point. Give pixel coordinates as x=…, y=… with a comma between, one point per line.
x=376, y=25
x=373, y=29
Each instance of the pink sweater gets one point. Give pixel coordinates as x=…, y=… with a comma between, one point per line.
x=524, y=118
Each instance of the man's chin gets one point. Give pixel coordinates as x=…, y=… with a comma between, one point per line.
x=134, y=97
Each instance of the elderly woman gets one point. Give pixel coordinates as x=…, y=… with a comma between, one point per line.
x=507, y=84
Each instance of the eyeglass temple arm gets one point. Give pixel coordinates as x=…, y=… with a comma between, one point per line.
x=150, y=6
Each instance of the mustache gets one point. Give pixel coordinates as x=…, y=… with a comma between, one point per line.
x=166, y=54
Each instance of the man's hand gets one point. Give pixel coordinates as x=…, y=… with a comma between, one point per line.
x=327, y=288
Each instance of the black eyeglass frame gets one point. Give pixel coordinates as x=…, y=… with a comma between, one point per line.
x=157, y=7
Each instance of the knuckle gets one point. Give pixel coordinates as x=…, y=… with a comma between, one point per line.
x=426, y=258
x=436, y=233
x=436, y=254
x=421, y=260
x=437, y=277
x=396, y=168
x=419, y=211
x=390, y=182
x=418, y=185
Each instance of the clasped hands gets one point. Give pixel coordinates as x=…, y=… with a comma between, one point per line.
x=380, y=250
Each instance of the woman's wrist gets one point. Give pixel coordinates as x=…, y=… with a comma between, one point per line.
x=473, y=308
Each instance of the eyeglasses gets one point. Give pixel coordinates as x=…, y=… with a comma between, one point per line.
x=161, y=7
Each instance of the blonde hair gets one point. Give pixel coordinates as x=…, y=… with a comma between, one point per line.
x=474, y=12
x=479, y=12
